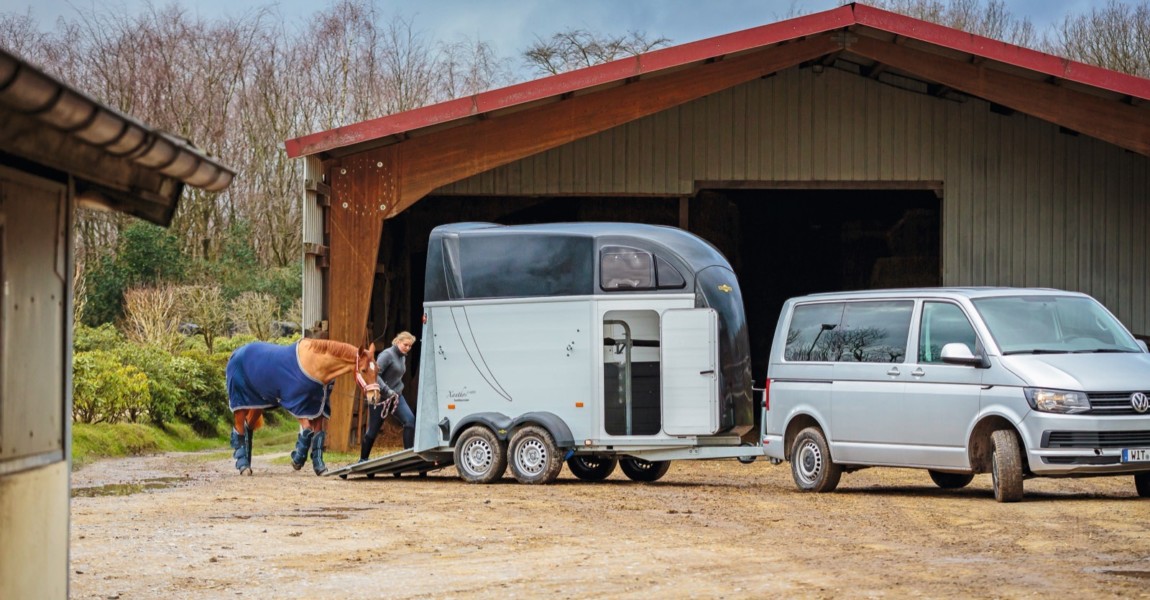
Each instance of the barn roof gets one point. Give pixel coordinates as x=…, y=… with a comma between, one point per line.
x=116, y=162
x=871, y=42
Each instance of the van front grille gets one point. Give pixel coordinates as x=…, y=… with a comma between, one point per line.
x=1111, y=403
x=1096, y=439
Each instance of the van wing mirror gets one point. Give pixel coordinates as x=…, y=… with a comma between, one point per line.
x=959, y=354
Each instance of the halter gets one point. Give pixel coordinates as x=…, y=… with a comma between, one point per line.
x=367, y=387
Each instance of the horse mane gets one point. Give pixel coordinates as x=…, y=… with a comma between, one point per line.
x=339, y=350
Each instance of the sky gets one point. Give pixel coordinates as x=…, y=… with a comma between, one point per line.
x=510, y=26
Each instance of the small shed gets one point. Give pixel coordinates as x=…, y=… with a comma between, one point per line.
x=849, y=149
x=59, y=149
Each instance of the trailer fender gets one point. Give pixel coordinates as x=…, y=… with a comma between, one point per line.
x=555, y=425
x=496, y=422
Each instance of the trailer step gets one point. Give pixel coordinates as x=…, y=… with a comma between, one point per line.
x=404, y=461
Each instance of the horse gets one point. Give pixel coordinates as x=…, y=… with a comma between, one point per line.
x=298, y=378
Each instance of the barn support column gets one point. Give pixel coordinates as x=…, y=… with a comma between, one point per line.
x=363, y=190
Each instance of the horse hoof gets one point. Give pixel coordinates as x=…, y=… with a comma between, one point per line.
x=246, y=471
x=319, y=473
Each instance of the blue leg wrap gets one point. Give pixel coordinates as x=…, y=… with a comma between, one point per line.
x=302, y=444
x=317, y=453
x=243, y=453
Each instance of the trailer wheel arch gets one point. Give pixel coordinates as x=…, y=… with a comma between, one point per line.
x=498, y=423
x=555, y=425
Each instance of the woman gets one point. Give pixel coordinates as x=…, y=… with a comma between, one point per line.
x=392, y=364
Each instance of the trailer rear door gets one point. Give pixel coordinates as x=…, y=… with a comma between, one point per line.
x=690, y=378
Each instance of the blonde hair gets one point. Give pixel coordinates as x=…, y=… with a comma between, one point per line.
x=402, y=337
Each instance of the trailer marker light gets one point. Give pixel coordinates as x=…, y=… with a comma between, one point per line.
x=586, y=442
x=425, y=318
x=578, y=405
x=450, y=407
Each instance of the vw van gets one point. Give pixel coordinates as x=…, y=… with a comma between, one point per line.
x=1014, y=382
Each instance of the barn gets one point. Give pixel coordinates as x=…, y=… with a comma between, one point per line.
x=849, y=149
x=59, y=149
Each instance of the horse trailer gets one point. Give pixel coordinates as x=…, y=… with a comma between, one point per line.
x=594, y=344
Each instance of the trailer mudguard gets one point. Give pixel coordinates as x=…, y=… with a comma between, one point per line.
x=497, y=422
x=558, y=427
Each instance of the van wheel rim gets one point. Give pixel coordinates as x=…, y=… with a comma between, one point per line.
x=477, y=456
x=810, y=462
x=531, y=456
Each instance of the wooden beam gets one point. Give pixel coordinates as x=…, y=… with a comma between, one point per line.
x=1108, y=120
x=430, y=161
x=363, y=190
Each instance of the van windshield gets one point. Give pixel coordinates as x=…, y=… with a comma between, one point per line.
x=1053, y=325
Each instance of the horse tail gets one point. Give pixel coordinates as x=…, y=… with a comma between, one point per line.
x=250, y=419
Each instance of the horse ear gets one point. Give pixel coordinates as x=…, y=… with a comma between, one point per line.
x=371, y=349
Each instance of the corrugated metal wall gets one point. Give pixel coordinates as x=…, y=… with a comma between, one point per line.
x=1023, y=203
x=312, y=306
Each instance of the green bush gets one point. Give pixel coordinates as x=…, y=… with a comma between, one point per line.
x=104, y=337
x=105, y=390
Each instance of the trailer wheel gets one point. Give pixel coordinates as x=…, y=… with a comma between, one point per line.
x=1142, y=484
x=811, y=464
x=533, y=456
x=479, y=456
x=637, y=469
x=592, y=468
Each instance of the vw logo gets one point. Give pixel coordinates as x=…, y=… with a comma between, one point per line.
x=1140, y=402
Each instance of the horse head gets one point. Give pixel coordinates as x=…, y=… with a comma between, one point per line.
x=365, y=373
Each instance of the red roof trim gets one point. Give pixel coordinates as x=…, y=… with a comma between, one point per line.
x=1003, y=52
x=757, y=37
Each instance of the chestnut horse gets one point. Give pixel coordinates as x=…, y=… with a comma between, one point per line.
x=299, y=379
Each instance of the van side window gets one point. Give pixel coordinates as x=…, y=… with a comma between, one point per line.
x=873, y=332
x=623, y=268
x=943, y=323
x=668, y=276
x=810, y=332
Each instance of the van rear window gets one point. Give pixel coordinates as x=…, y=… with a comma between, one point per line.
x=871, y=331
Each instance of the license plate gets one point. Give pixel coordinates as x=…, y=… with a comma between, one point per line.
x=1135, y=455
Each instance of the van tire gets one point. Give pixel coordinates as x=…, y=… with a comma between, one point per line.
x=1142, y=484
x=533, y=457
x=811, y=464
x=637, y=469
x=592, y=468
x=951, y=481
x=1006, y=466
x=480, y=457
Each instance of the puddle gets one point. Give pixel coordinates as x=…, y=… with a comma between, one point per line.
x=127, y=489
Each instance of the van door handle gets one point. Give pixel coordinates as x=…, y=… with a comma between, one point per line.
x=918, y=372
x=707, y=372
x=893, y=372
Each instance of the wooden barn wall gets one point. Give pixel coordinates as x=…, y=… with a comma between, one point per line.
x=313, y=236
x=1024, y=204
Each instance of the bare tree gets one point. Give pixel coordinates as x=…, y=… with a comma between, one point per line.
x=1115, y=36
x=578, y=48
x=992, y=19
x=204, y=306
x=152, y=317
x=255, y=312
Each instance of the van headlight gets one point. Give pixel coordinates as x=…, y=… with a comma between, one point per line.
x=1057, y=401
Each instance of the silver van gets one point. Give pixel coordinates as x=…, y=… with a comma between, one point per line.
x=1015, y=382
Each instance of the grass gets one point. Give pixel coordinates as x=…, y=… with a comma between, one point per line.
x=91, y=442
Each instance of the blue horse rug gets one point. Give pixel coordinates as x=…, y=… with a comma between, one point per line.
x=263, y=375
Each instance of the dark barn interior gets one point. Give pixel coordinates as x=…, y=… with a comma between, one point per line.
x=782, y=243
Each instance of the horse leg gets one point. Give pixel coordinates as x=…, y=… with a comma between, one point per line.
x=242, y=442
x=319, y=425
x=303, y=443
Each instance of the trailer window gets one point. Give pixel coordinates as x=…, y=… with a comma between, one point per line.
x=668, y=276
x=508, y=266
x=623, y=268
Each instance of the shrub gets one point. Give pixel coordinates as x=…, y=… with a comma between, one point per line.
x=105, y=390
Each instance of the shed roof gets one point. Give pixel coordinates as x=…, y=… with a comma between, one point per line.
x=1084, y=98
x=116, y=161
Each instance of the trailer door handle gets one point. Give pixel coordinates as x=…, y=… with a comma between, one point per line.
x=707, y=372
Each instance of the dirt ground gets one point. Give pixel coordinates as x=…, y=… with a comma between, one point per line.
x=189, y=527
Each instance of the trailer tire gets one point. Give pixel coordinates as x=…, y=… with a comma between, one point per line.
x=480, y=457
x=637, y=469
x=533, y=457
x=592, y=468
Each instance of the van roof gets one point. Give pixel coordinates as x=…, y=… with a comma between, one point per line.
x=946, y=292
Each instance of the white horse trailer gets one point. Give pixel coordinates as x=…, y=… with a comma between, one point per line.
x=594, y=344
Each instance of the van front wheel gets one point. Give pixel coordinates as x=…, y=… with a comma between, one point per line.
x=1142, y=484
x=1006, y=466
x=811, y=464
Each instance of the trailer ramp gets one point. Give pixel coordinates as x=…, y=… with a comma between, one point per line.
x=396, y=464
